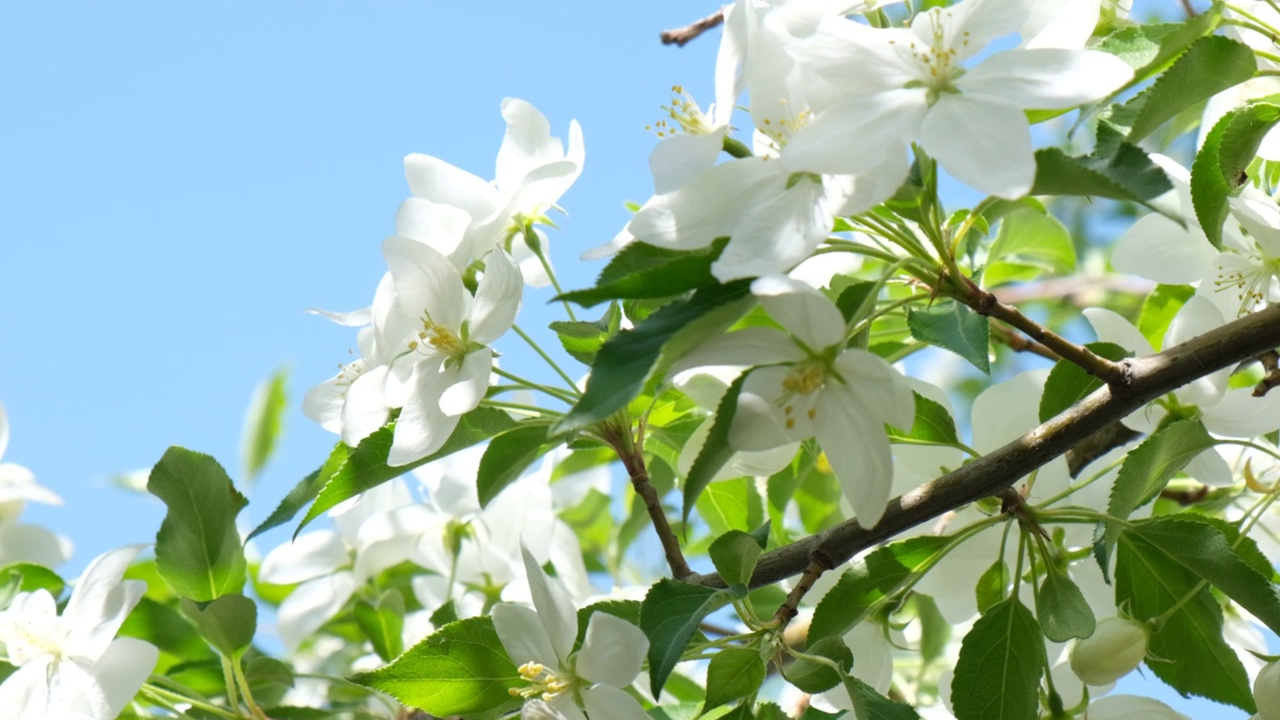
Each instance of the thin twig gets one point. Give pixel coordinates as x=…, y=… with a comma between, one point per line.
x=680, y=36
x=1151, y=377
x=631, y=454
x=1020, y=343
x=1097, y=445
x=1271, y=363
x=791, y=607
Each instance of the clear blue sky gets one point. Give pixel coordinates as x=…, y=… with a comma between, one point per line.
x=179, y=180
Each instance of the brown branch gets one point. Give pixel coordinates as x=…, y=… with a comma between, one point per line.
x=1271, y=363
x=634, y=463
x=1150, y=378
x=1019, y=343
x=680, y=36
x=791, y=607
x=1097, y=445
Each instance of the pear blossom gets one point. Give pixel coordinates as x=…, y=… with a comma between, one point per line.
x=904, y=85
x=540, y=642
x=72, y=665
x=807, y=383
x=440, y=334
x=1266, y=692
x=1116, y=648
x=533, y=170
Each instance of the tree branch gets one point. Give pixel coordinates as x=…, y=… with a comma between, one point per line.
x=1018, y=343
x=1271, y=363
x=680, y=36
x=1150, y=377
x=670, y=543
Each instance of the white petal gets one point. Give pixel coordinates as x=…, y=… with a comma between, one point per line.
x=613, y=651
x=468, y=384
x=1005, y=410
x=1240, y=414
x=1066, y=24
x=805, y=313
x=322, y=403
x=433, y=179
x=1111, y=327
x=18, y=483
x=523, y=635
x=122, y=669
x=968, y=26
x=555, y=608
x=1132, y=707
x=354, y=318
x=758, y=424
x=443, y=227
x=679, y=158
x=497, y=298
x=1209, y=468
x=984, y=144
x=309, y=556
x=102, y=599
x=1160, y=249
x=741, y=348
x=422, y=428
x=858, y=450
x=858, y=135
x=311, y=605
x=877, y=387
x=603, y=701
x=706, y=208
x=526, y=145
x=32, y=544
x=1047, y=79
x=778, y=230
x=365, y=408
x=426, y=283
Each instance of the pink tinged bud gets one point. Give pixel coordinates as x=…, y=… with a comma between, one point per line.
x=1116, y=647
x=1266, y=692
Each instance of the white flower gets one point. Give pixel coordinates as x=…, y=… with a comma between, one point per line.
x=1266, y=692
x=72, y=665
x=904, y=85
x=1132, y=707
x=807, y=383
x=541, y=642
x=18, y=542
x=533, y=171
x=1116, y=647
x=441, y=335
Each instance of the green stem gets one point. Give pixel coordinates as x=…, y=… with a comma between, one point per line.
x=238, y=672
x=1082, y=514
x=547, y=358
x=173, y=701
x=531, y=410
x=535, y=244
x=529, y=384
x=228, y=677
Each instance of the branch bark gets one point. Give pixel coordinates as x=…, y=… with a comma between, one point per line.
x=1149, y=378
x=680, y=36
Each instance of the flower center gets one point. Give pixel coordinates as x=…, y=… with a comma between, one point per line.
x=684, y=114
x=1251, y=284
x=786, y=125
x=798, y=388
x=940, y=67
x=542, y=682
x=436, y=339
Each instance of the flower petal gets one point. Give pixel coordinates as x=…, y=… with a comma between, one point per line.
x=983, y=143
x=603, y=701
x=101, y=600
x=497, y=298
x=422, y=428
x=431, y=178
x=1111, y=327
x=426, y=283
x=311, y=605
x=365, y=408
x=1160, y=249
x=522, y=634
x=805, y=313
x=1046, y=78
x=704, y=209
x=858, y=450
x=555, y=608
x=122, y=669
x=778, y=230
x=469, y=383
x=858, y=135
x=443, y=227
x=613, y=651
x=309, y=556
x=526, y=145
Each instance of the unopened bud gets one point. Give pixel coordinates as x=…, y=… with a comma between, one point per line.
x=1116, y=647
x=1266, y=692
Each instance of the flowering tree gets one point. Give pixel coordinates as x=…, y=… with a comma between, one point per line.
x=847, y=530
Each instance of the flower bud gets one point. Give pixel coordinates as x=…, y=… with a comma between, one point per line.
x=1116, y=647
x=1266, y=692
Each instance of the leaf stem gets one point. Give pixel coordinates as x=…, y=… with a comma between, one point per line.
x=530, y=385
x=547, y=358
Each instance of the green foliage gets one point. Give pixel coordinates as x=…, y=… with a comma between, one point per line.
x=735, y=554
x=263, y=423
x=383, y=623
x=508, y=455
x=954, y=327
x=1068, y=383
x=226, y=623
x=1001, y=661
x=582, y=339
x=731, y=505
x=871, y=705
x=1186, y=647
x=1029, y=244
x=351, y=472
x=871, y=579
x=303, y=493
x=815, y=677
x=459, y=669
x=933, y=425
x=993, y=585
x=641, y=271
x=669, y=616
x=1061, y=608
x=28, y=577
x=1125, y=172
x=715, y=451
x=198, y=549
x=1158, y=309
x=1221, y=166
x=624, y=362
x=733, y=673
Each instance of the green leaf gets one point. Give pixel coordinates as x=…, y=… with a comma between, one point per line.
x=731, y=674
x=642, y=271
x=814, y=677
x=853, y=300
x=932, y=424
x=1148, y=48
x=1220, y=167
x=582, y=340
x=165, y=627
x=669, y=616
x=1158, y=310
x=871, y=579
x=1001, y=661
x=1125, y=173
x=1068, y=383
x=993, y=585
x=935, y=630
x=366, y=467
x=263, y=423
x=458, y=670
x=383, y=623
x=1213, y=64
x=1187, y=649
x=954, y=327
x=227, y=623
x=731, y=505
x=29, y=577
x=735, y=554
x=1147, y=469
x=1062, y=610
x=508, y=456
x=628, y=610
x=625, y=360
x=198, y=549
x=1028, y=245
x=1197, y=545
x=871, y=705
x=301, y=494
x=715, y=451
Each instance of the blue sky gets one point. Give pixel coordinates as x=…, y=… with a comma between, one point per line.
x=179, y=181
